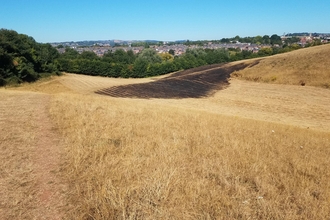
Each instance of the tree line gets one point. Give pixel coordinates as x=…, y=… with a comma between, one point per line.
x=144, y=64
x=22, y=59
x=148, y=62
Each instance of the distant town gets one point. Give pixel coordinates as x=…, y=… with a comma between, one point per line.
x=178, y=48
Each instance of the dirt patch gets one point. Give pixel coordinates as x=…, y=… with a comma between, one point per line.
x=193, y=83
x=30, y=187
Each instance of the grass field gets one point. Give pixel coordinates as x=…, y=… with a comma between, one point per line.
x=242, y=150
x=309, y=66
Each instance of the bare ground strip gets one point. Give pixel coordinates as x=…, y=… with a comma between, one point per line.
x=30, y=187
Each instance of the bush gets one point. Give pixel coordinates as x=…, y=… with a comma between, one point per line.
x=2, y=81
x=14, y=80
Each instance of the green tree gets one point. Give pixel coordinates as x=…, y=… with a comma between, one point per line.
x=225, y=40
x=317, y=42
x=258, y=40
x=89, y=55
x=237, y=38
x=140, y=68
x=197, y=52
x=216, y=56
x=291, y=40
x=267, y=51
x=266, y=39
x=275, y=39
x=70, y=53
x=6, y=61
x=150, y=56
x=47, y=56
x=121, y=56
x=22, y=58
x=166, y=56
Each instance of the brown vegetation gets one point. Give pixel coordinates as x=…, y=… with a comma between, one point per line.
x=30, y=187
x=130, y=159
x=308, y=67
x=249, y=151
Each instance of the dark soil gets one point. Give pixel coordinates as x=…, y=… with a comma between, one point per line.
x=193, y=83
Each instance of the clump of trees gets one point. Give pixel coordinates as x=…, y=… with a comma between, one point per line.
x=145, y=64
x=22, y=59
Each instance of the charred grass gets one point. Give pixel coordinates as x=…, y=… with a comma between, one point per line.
x=134, y=159
x=193, y=83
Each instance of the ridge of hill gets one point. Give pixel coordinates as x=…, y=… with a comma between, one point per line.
x=309, y=66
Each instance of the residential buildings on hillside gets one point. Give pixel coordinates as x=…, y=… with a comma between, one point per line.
x=178, y=49
x=102, y=47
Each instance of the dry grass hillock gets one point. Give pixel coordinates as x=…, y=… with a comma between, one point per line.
x=138, y=159
x=309, y=66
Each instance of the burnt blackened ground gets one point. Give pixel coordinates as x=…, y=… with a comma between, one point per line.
x=193, y=83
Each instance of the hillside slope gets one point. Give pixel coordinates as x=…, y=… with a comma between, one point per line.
x=309, y=66
x=247, y=151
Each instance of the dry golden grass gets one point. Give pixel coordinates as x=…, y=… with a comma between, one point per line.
x=133, y=159
x=44, y=85
x=29, y=186
x=251, y=151
x=16, y=181
x=309, y=66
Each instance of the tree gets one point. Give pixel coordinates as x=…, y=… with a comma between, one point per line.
x=266, y=39
x=121, y=56
x=216, y=56
x=267, y=51
x=22, y=58
x=225, y=40
x=47, y=56
x=317, y=42
x=150, y=55
x=6, y=61
x=89, y=55
x=258, y=40
x=130, y=57
x=291, y=40
x=70, y=53
x=196, y=52
x=166, y=56
x=275, y=39
x=140, y=68
x=237, y=38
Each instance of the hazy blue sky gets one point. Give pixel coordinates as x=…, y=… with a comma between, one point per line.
x=73, y=20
